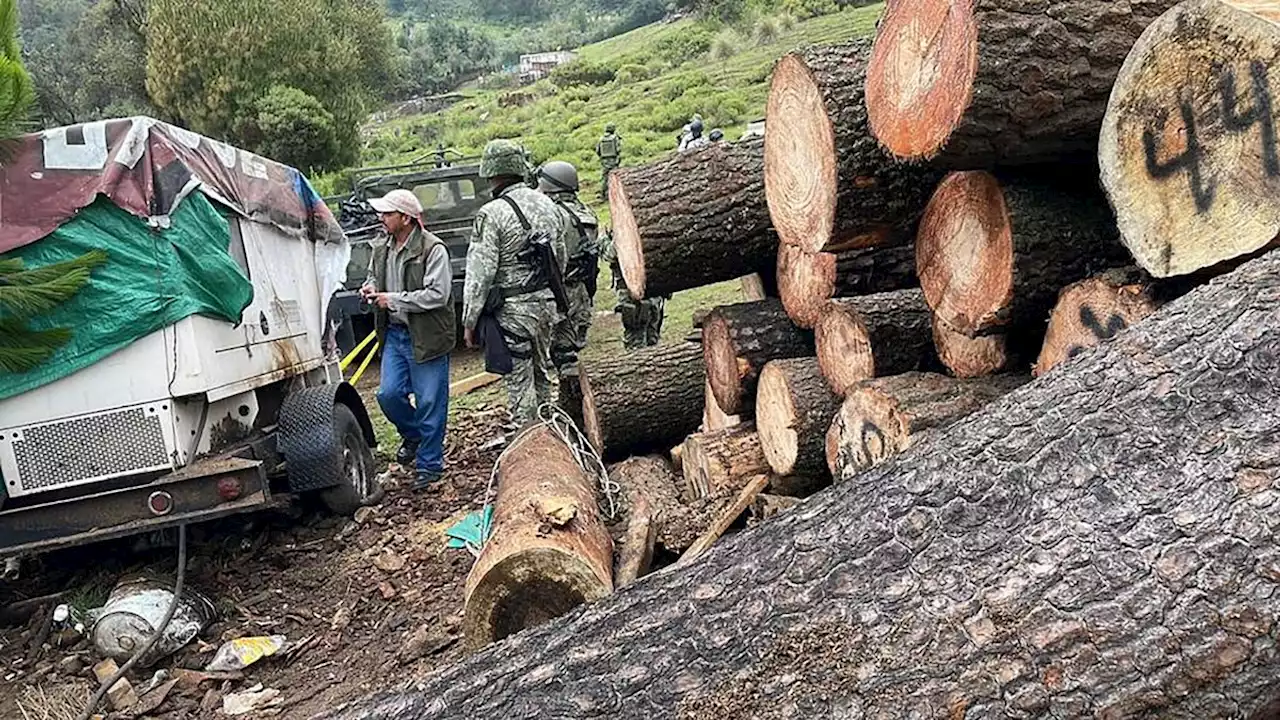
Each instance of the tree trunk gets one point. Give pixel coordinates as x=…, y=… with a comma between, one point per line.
x=993, y=255
x=1094, y=310
x=692, y=219
x=677, y=524
x=794, y=408
x=983, y=83
x=971, y=357
x=865, y=337
x=549, y=551
x=570, y=396
x=644, y=400
x=1188, y=149
x=1099, y=543
x=806, y=281
x=737, y=341
x=828, y=183
x=883, y=417
x=722, y=461
x=713, y=416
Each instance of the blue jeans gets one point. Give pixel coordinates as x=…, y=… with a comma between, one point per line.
x=429, y=384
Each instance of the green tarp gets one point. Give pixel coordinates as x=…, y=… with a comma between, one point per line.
x=151, y=279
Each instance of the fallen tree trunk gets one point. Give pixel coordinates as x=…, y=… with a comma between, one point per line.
x=644, y=400
x=737, y=341
x=983, y=83
x=865, y=337
x=993, y=255
x=829, y=185
x=1188, y=149
x=806, y=281
x=883, y=417
x=1094, y=310
x=1118, y=559
x=971, y=357
x=549, y=550
x=692, y=219
x=794, y=408
x=722, y=461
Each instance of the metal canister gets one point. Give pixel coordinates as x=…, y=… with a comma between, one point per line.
x=135, y=608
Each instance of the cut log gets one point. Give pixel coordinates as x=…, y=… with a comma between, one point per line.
x=1188, y=150
x=1094, y=310
x=806, y=281
x=753, y=287
x=549, y=550
x=794, y=408
x=570, y=395
x=645, y=400
x=636, y=553
x=725, y=518
x=692, y=219
x=883, y=417
x=713, y=417
x=1102, y=542
x=994, y=255
x=738, y=340
x=828, y=183
x=722, y=461
x=676, y=524
x=865, y=337
x=971, y=357
x=982, y=83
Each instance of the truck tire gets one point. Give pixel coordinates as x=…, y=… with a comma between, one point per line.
x=358, y=485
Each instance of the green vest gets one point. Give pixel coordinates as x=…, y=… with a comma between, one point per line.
x=608, y=147
x=434, y=332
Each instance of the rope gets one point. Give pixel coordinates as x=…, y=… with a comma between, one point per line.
x=584, y=455
x=164, y=624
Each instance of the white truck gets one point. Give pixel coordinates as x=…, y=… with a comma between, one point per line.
x=202, y=417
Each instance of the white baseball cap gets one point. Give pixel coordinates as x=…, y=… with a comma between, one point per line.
x=401, y=201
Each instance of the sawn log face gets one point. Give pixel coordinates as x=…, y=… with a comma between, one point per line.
x=1100, y=541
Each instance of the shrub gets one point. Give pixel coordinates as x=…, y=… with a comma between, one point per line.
x=809, y=8
x=632, y=73
x=767, y=31
x=677, y=48
x=725, y=45
x=582, y=72
x=498, y=81
x=787, y=22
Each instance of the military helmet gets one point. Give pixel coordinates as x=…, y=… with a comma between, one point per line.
x=717, y=135
x=610, y=127
x=502, y=158
x=558, y=176
x=695, y=127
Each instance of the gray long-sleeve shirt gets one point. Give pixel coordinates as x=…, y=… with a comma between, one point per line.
x=437, y=283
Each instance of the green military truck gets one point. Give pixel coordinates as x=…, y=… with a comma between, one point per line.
x=451, y=192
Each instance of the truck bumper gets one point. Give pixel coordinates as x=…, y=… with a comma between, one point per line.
x=205, y=490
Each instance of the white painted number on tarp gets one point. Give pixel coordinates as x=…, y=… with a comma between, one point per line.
x=60, y=154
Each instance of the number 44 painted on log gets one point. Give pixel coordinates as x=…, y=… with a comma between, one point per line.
x=1234, y=120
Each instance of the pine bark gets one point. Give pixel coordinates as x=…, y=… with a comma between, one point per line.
x=991, y=83
x=1099, y=543
x=649, y=399
x=722, y=461
x=883, y=417
x=865, y=337
x=1094, y=310
x=549, y=550
x=807, y=281
x=676, y=524
x=829, y=184
x=1188, y=150
x=737, y=342
x=794, y=408
x=692, y=219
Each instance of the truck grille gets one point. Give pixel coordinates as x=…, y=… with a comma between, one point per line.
x=121, y=442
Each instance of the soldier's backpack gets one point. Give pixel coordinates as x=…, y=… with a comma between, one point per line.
x=609, y=146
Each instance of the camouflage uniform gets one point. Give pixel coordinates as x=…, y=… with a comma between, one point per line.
x=641, y=319
x=559, y=181
x=609, y=150
x=528, y=313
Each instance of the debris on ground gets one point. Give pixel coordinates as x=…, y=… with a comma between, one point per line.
x=255, y=698
x=240, y=653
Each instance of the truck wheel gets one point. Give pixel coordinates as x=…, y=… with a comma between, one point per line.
x=358, y=485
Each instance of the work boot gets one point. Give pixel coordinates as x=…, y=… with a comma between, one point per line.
x=407, y=452
x=426, y=480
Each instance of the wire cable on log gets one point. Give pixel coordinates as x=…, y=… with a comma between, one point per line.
x=164, y=625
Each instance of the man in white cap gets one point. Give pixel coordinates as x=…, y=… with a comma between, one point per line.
x=410, y=282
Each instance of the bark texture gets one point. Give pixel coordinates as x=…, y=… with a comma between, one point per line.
x=737, y=341
x=636, y=553
x=1188, y=149
x=883, y=417
x=645, y=400
x=794, y=408
x=651, y=477
x=807, y=281
x=722, y=461
x=692, y=219
x=865, y=337
x=549, y=550
x=1099, y=542
x=829, y=184
x=994, y=82
x=1093, y=310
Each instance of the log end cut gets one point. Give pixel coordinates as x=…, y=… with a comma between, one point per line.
x=726, y=372
x=867, y=429
x=1089, y=312
x=528, y=589
x=968, y=357
x=776, y=419
x=806, y=281
x=964, y=252
x=800, y=157
x=794, y=408
x=921, y=75
x=844, y=347
x=626, y=237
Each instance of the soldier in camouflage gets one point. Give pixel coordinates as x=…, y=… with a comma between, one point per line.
x=641, y=319
x=609, y=150
x=558, y=180
x=504, y=281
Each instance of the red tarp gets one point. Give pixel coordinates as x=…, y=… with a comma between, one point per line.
x=147, y=167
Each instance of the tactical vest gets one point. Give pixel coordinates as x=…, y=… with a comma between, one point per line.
x=434, y=332
x=609, y=146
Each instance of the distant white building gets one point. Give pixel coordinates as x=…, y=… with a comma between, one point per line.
x=536, y=66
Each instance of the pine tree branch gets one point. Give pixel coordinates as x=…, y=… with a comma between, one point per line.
x=29, y=292
x=22, y=348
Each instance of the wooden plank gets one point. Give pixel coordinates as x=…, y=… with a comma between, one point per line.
x=725, y=519
x=475, y=382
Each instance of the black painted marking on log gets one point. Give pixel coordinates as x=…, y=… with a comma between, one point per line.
x=1074, y=351
x=1188, y=160
x=1235, y=121
x=1115, y=324
x=866, y=437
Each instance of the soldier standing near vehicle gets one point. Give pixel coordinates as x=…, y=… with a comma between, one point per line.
x=609, y=150
x=641, y=319
x=558, y=180
x=410, y=282
x=516, y=256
